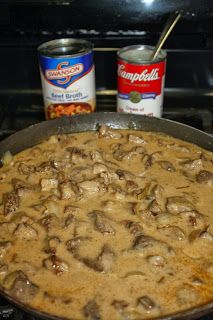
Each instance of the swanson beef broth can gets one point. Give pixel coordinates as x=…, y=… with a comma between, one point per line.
x=67, y=76
x=140, y=81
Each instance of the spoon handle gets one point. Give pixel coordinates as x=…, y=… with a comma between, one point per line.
x=173, y=19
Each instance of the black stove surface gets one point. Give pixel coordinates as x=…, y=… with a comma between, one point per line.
x=19, y=112
x=18, y=115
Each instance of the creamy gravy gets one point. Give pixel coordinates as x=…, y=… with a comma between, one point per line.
x=114, y=224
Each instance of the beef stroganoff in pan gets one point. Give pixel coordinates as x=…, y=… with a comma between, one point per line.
x=113, y=224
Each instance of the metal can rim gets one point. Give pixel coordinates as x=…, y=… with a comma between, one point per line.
x=45, y=48
x=143, y=47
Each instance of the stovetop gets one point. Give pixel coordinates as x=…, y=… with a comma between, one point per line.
x=17, y=115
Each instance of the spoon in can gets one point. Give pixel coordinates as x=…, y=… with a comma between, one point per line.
x=173, y=19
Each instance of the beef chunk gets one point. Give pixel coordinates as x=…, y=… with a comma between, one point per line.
x=103, y=263
x=143, y=241
x=25, y=169
x=45, y=167
x=10, y=202
x=205, y=177
x=101, y=223
x=133, y=227
x=91, y=311
x=178, y=204
x=20, y=287
x=172, y=232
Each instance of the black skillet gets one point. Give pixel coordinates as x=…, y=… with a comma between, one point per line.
x=38, y=132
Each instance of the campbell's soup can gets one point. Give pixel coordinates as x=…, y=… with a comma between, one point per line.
x=67, y=77
x=140, y=80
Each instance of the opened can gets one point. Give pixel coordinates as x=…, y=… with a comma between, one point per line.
x=140, y=80
x=67, y=76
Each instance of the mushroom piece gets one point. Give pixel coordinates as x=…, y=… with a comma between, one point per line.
x=119, y=305
x=68, y=191
x=166, y=165
x=192, y=166
x=52, y=206
x=132, y=187
x=106, y=132
x=205, y=177
x=45, y=167
x=20, y=287
x=69, y=220
x=206, y=235
x=73, y=244
x=53, y=298
x=82, y=228
x=89, y=187
x=197, y=281
x=143, y=241
x=96, y=156
x=133, y=227
x=50, y=222
x=157, y=194
x=4, y=246
x=3, y=270
x=172, y=232
x=55, y=265
x=154, y=207
x=135, y=139
x=200, y=234
x=91, y=310
x=119, y=154
x=124, y=175
x=104, y=261
x=77, y=155
x=10, y=202
x=25, y=231
x=146, y=302
x=99, y=168
x=101, y=223
x=22, y=188
x=72, y=210
x=178, y=204
x=52, y=245
x=194, y=219
x=156, y=261
x=49, y=184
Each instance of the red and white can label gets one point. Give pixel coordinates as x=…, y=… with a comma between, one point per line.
x=140, y=88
